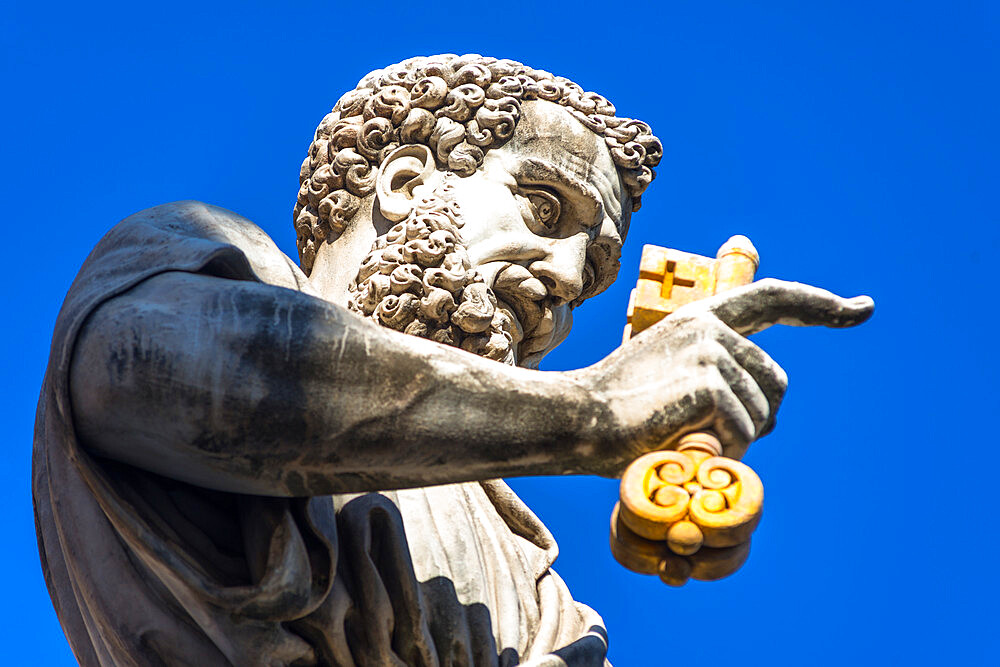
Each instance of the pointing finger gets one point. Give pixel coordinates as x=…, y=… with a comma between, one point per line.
x=767, y=302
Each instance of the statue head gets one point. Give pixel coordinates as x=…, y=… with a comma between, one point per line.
x=518, y=185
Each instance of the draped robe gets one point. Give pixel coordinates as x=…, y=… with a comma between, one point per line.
x=147, y=570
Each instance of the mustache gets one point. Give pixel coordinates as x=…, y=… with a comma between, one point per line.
x=529, y=301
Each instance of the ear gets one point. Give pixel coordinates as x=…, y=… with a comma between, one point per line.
x=400, y=172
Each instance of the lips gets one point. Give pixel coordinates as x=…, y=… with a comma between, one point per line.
x=525, y=306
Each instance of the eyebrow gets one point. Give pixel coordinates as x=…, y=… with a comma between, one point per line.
x=540, y=169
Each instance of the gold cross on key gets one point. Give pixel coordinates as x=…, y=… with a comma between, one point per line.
x=670, y=278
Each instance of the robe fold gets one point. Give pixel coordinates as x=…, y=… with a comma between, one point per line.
x=146, y=570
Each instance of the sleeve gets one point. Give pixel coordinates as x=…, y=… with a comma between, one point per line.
x=138, y=565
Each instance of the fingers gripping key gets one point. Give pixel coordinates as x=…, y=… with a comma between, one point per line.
x=690, y=512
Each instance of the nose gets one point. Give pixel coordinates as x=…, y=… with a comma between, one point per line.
x=561, y=271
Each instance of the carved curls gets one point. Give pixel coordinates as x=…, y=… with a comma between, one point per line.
x=458, y=106
x=418, y=279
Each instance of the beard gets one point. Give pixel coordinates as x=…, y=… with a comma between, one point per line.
x=418, y=279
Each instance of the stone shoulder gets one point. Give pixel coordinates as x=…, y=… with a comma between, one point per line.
x=191, y=220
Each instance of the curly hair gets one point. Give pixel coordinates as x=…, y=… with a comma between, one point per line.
x=458, y=106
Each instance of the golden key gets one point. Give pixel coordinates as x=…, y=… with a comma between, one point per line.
x=690, y=512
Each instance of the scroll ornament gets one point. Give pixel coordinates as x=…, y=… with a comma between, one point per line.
x=689, y=512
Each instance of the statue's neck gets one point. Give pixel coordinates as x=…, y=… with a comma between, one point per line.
x=337, y=263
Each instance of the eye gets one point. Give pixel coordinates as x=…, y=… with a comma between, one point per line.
x=545, y=207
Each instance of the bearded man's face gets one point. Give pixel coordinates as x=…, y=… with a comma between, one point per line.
x=540, y=225
x=543, y=224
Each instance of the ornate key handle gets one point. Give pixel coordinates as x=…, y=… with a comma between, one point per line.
x=687, y=512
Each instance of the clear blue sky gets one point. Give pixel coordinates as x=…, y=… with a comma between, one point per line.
x=855, y=143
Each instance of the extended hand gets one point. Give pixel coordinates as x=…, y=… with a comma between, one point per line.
x=695, y=370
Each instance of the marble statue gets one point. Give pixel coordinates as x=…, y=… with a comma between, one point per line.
x=239, y=461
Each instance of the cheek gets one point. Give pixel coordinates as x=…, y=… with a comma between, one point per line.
x=487, y=209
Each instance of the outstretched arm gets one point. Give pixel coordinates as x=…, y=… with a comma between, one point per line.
x=252, y=388
x=247, y=387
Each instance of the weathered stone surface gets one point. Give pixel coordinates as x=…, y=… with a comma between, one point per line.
x=238, y=462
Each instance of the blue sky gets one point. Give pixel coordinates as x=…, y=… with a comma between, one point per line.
x=854, y=143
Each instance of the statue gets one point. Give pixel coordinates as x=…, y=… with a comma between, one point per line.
x=238, y=461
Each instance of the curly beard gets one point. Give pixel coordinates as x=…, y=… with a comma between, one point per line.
x=418, y=279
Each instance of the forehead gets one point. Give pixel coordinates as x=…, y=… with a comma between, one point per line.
x=549, y=133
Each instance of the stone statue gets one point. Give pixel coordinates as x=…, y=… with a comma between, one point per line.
x=241, y=462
